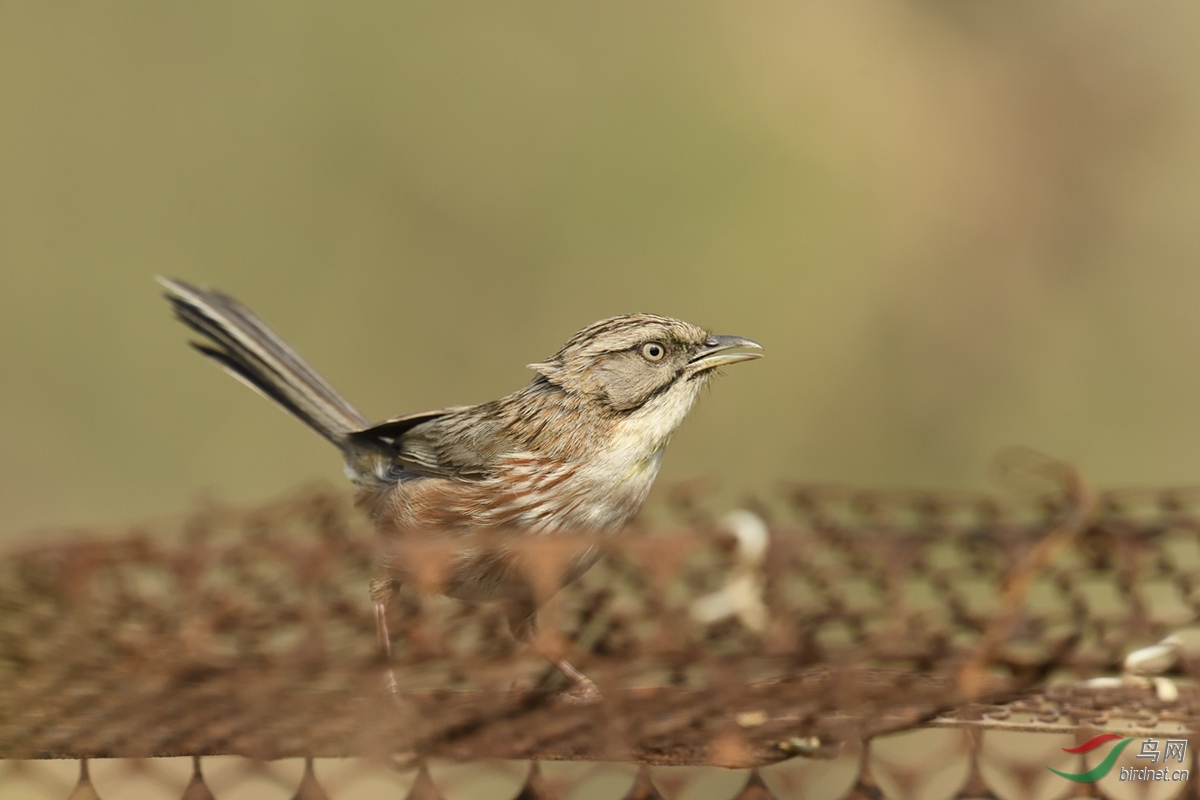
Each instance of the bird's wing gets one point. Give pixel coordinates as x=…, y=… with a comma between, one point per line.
x=391, y=430
x=449, y=443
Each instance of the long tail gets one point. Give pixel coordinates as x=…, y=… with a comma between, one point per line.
x=243, y=344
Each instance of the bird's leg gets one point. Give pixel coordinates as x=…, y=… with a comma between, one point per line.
x=385, y=645
x=522, y=621
x=585, y=690
x=382, y=593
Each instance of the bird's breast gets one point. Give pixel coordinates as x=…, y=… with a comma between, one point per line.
x=598, y=486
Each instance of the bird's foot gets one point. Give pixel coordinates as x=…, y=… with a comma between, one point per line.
x=585, y=693
x=391, y=690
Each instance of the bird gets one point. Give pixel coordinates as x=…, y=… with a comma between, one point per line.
x=574, y=451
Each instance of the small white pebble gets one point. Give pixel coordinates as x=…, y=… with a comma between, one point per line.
x=1153, y=659
x=1166, y=690
x=750, y=719
x=742, y=596
x=751, y=534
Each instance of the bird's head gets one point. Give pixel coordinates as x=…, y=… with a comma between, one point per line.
x=635, y=360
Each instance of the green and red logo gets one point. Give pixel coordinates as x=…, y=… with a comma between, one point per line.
x=1100, y=770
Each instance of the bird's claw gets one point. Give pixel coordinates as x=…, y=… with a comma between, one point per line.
x=585, y=693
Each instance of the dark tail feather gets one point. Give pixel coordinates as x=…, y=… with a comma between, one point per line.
x=242, y=343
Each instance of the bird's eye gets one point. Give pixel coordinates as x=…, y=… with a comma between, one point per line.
x=653, y=351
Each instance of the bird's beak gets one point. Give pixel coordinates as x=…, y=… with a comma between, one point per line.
x=717, y=351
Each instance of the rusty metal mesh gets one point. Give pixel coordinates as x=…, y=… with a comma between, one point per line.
x=234, y=632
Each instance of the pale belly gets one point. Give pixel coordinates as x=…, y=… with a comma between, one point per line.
x=596, y=498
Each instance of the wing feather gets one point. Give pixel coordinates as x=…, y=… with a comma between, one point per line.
x=463, y=443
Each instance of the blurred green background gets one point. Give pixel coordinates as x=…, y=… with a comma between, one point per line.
x=955, y=227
